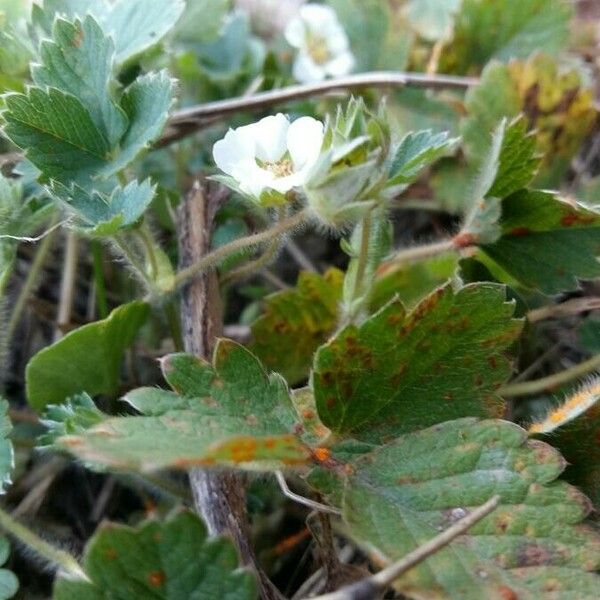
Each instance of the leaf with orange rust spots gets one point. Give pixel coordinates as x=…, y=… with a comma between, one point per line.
x=296, y=322
x=173, y=560
x=399, y=372
x=400, y=495
x=229, y=413
x=557, y=104
x=547, y=243
x=313, y=431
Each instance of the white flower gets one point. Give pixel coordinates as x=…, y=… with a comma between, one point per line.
x=272, y=154
x=323, y=47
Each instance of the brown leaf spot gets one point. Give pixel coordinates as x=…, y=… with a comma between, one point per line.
x=493, y=362
x=507, y=593
x=111, y=554
x=157, y=578
x=519, y=231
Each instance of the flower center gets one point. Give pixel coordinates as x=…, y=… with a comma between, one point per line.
x=317, y=48
x=279, y=168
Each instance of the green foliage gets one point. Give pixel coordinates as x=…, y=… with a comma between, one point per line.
x=398, y=496
x=398, y=372
x=78, y=131
x=502, y=29
x=9, y=584
x=556, y=102
x=87, y=359
x=170, y=561
x=546, y=243
x=432, y=19
x=231, y=413
x=296, y=322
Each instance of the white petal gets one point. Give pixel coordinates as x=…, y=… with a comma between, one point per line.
x=285, y=184
x=295, y=32
x=232, y=149
x=270, y=134
x=337, y=40
x=304, y=142
x=318, y=18
x=253, y=180
x=306, y=70
x=342, y=64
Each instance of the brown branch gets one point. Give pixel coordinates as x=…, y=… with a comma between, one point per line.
x=219, y=496
x=189, y=120
x=373, y=586
x=565, y=309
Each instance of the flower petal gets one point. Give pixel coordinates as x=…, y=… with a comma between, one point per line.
x=235, y=147
x=304, y=142
x=341, y=64
x=269, y=135
x=306, y=70
x=295, y=32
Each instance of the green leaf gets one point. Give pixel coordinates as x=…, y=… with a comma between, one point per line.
x=231, y=413
x=533, y=545
x=87, y=359
x=9, y=584
x=504, y=29
x=410, y=283
x=509, y=166
x=432, y=19
x=57, y=133
x=399, y=372
x=6, y=449
x=134, y=25
x=546, y=244
x=417, y=151
x=296, y=322
x=202, y=20
x=174, y=560
x=79, y=61
x=146, y=102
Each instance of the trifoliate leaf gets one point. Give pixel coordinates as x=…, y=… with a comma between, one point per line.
x=231, y=413
x=546, y=243
x=399, y=372
x=87, y=359
x=533, y=545
x=417, y=151
x=556, y=103
x=79, y=60
x=296, y=322
x=173, y=560
x=504, y=29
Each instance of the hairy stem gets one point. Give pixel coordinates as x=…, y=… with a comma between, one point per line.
x=99, y=284
x=67, y=284
x=363, y=256
x=410, y=255
x=60, y=558
x=372, y=587
x=565, y=309
x=547, y=384
x=212, y=259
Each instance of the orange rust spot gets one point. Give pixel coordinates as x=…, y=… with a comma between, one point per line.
x=507, y=593
x=519, y=231
x=270, y=443
x=492, y=362
x=572, y=218
x=157, y=578
x=322, y=454
x=111, y=554
x=308, y=414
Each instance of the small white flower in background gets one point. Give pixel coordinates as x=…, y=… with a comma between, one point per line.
x=272, y=154
x=269, y=17
x=323, y=47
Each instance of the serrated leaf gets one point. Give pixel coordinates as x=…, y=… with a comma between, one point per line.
x=503, y=29
x=229, y=413
x=57, y=133
x=134, y=25
x=557, y=105
x=86, y=359
x=296, y=322
x=546, y=243
x=417, y=151
x=399, y=372
x=173, y=560
x=533, y=545
x=146, y=103
x=79, y=60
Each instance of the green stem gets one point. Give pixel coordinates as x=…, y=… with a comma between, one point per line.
x=363, y=256
x=29, y=285
x=137, y=266
x=410, y=255
x=214, y=258
x=63, y=559
x=147, y=240
x=546, y=384
x=174, y=323
x=100, y=286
